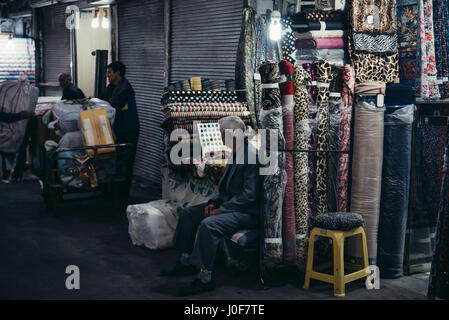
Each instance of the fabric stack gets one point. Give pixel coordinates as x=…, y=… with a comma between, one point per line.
x=374, y=53
x=17, y=58
x=320, y=35
x=182, y=109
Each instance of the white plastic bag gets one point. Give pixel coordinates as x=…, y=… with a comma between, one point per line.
x=67, y=112
x=15, y=96
x=152, y=224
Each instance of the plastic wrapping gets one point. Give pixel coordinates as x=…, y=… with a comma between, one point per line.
x=288, y=211
x=72, y=139
x=395, y=190
x=152, y=224
x=15, y=96
x=67, y=112
x=367, y=174
x=274, y=188
x=334, y=141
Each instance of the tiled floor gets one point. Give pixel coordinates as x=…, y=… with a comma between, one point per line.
x=37, y=248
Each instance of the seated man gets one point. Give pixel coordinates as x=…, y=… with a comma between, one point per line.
x=235, y=207
x=69, y=91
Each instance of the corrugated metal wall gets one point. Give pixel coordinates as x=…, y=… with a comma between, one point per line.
x=204, y=38
x=56, y=43
x=141, y=49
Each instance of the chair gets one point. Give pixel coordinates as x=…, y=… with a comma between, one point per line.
x=337, y=226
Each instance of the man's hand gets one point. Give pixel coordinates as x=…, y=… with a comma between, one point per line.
x=215, y=212
x=26, y=114
x=208, y=210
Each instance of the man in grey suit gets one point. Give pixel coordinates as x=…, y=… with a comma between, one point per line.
x=233, y=208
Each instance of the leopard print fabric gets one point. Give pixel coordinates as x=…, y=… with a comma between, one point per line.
x=385, y=10
x=301, y=170
x=382, y=67
x=324, y=76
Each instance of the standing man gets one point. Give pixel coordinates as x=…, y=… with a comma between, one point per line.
x=120, y=94
x=69, y=90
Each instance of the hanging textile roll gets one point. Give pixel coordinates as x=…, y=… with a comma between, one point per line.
x=367, y=174
x=399, y=94
x=439, y=274
x=316, y=15
x=274, y=184
x=428, y=83
x=322, y=173
x=345, y=136
x=335, y=110
x=395, y=190
x=288, y=42
x=246, y=63
x=301, y=168
x=288, y=212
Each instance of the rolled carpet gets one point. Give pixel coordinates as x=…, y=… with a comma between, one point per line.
x=367, y=174
x=395, y=190
x=320, y=43
x=195, y=83
x=288, y=211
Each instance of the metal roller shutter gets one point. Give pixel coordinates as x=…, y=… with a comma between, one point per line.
x=56, y=43
x=141, y=49
x=204, y=38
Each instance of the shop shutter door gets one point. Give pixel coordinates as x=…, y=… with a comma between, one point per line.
x=141, y=49
x=204, y=38
x=56, y=42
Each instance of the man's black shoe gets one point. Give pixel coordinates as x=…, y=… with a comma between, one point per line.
x=196, y=287
x=179, y=270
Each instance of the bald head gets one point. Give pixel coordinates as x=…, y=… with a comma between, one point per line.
x=64, y=79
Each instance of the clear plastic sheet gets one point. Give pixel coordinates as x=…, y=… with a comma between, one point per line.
x=335, y=108
x=395, y=190
x=367, y=174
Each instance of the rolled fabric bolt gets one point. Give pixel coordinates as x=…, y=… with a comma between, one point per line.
x=205, y=85
x=230, y=84
x=274, y=184
x=178, y=85
x=320, y=43
x=186, y=85
x=215, y=85
x=195, y=83
x=288, y=210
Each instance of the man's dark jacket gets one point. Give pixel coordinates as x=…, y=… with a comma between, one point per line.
x=71, y=92
x=240, y=186
x=123, y=99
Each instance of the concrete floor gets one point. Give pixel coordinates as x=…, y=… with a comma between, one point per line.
x=36, y=248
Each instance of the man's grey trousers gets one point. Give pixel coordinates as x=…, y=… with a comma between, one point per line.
x=211, y=231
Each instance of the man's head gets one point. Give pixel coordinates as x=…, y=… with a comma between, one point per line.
x=64, y=79
x=116, y=71
x=237, y=126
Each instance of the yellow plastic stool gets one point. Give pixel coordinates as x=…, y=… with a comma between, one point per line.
x=339, y=279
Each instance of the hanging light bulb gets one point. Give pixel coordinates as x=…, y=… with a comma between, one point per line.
x=105, y=20
x=275, y=26
x=96, y=20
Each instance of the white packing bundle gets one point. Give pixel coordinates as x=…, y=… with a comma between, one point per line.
x=67, y=112
x=152, y=224
x=15, y=96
